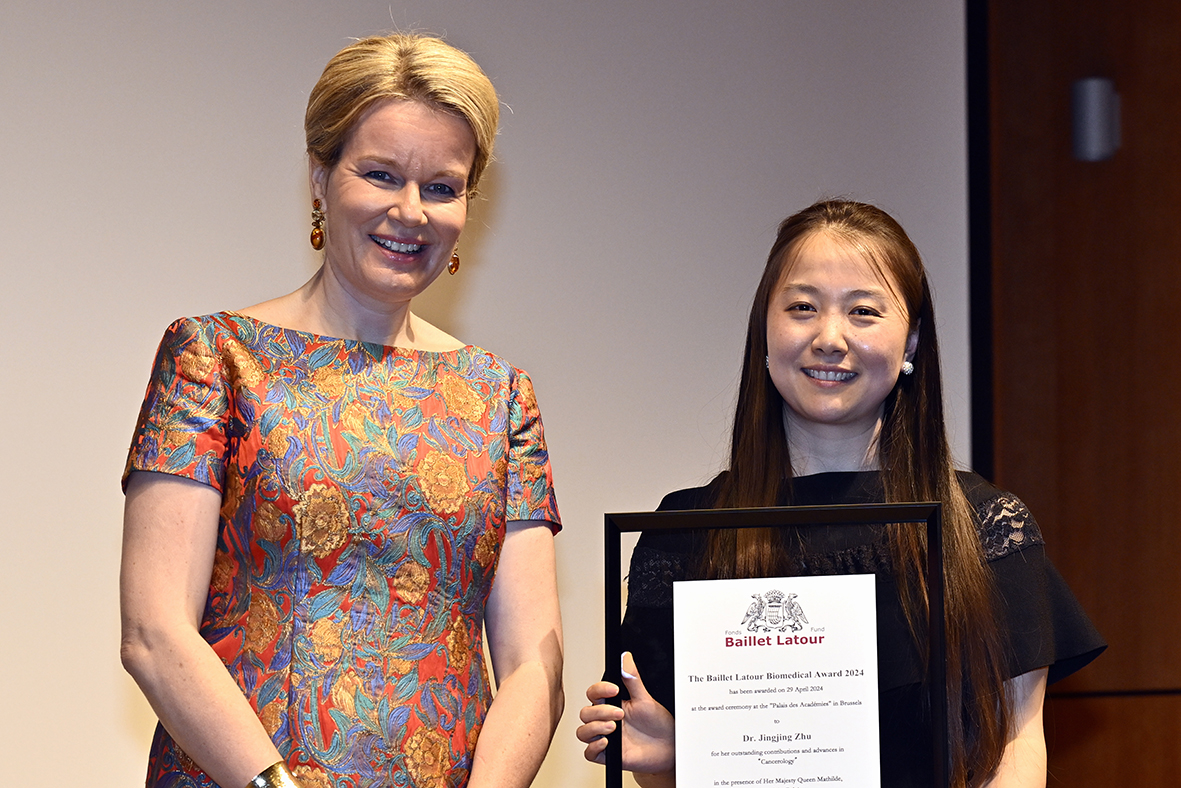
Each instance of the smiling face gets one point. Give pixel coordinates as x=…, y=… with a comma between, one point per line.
x=837, y=335
x=395, y=203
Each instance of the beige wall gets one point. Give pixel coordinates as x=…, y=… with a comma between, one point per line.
x=152, y=168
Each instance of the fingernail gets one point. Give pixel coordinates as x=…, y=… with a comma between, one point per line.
x=622, y=670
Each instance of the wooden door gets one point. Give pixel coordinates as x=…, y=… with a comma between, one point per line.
x=1085, y=279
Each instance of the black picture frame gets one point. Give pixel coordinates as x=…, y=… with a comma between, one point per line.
x=929, y=514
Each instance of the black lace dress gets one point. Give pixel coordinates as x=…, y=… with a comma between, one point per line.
x=1045, y=625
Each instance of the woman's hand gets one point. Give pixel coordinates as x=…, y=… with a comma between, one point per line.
x=649, y=731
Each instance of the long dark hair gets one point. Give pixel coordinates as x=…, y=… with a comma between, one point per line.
x=916, y=465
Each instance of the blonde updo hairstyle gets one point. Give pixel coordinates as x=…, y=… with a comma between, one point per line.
x=403, y=66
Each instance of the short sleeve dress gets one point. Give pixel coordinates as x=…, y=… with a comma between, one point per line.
x=1044, y=624
x=365, y=492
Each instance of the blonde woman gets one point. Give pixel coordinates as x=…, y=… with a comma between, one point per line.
x=322, y=487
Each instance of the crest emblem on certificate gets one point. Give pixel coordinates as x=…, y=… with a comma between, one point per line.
x=774, y=610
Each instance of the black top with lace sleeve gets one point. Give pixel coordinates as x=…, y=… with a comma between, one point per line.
x=1045, y=625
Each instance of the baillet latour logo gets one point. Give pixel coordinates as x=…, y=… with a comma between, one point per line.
x=774, y=610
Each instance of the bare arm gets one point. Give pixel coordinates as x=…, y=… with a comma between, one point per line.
x=169, y=539
x=525, y=637
x=1023, y=764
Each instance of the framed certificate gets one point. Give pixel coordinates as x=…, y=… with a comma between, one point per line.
x=776, y=678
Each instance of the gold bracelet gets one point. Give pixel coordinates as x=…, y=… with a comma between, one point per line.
x=274, y=776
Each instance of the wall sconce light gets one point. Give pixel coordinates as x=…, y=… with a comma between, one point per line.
x=1096, y=119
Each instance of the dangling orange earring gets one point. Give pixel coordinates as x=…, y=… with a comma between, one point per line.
x=453, y=266
x=317, y=226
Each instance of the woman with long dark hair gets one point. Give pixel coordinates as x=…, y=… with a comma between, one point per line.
x=841, y=401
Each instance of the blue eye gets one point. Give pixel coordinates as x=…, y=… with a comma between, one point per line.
x=378, y=175
x=441, y=190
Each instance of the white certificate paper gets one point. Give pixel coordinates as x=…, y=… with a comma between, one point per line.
x=776, y=682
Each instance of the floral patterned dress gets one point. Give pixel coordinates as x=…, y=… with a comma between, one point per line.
x=365, y=491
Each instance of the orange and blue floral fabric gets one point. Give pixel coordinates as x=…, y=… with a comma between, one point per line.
x=365, y=491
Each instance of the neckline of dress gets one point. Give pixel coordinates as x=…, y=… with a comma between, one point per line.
x=322, y=338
